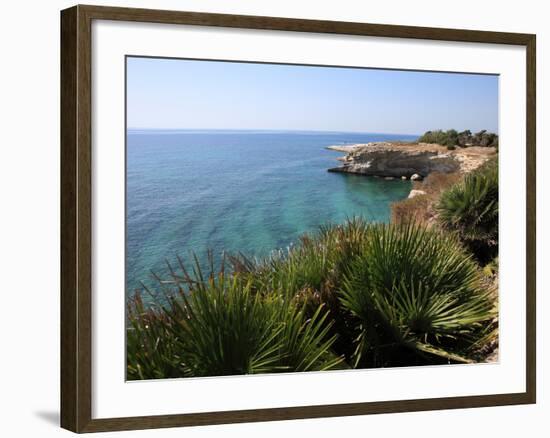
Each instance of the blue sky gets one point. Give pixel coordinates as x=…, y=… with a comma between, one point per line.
x=182, y=94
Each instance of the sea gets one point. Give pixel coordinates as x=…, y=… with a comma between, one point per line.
x=249, y=192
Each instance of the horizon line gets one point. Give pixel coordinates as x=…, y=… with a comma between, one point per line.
x=270, y=130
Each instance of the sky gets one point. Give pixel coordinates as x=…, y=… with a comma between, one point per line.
x=189, y=94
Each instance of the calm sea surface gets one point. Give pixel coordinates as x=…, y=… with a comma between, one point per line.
x=249, y=192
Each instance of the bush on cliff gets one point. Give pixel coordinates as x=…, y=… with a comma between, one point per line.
x=452, y=138
x=351, y=295
x=445, y=138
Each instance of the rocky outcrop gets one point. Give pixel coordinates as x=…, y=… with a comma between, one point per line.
x=407, y=159
x=415, y=192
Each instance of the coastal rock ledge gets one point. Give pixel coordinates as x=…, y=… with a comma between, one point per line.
x=406, y=159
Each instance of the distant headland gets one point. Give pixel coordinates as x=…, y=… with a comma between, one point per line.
x=435, y=151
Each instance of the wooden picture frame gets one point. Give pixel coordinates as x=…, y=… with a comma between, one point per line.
x=76, y=217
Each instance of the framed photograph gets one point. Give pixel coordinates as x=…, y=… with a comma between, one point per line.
x=270, y=218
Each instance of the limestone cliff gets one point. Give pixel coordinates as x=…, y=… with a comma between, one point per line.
x=407, y=159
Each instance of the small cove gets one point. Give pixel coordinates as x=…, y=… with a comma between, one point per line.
x=239, y=191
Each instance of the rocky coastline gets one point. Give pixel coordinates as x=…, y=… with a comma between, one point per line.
x=408, y=160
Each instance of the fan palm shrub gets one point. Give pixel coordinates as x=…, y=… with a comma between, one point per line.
x=150, y=343
x=470, y=208
x=220, y=326
x=311, y=272
x=414, y=289
x=227, y=330
x=231, y=330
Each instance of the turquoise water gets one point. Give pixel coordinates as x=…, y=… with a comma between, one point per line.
x=249, y=192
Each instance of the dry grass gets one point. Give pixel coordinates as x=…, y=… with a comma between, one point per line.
x=413, y=209
x=421, y=208
x=437, y=182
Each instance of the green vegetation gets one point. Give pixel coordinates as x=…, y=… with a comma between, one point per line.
x=470, y=208
x=355, y=295
x=453, y=138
